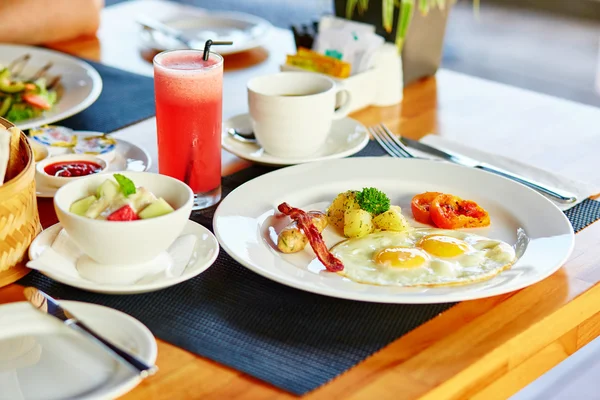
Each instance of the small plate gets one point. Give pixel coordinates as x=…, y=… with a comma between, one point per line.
x=128, y=157
x=244, y=30
x=347, y=137
x=204, y=255
x=42, y=358
x=81, y=84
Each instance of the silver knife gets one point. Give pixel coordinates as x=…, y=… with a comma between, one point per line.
x=50, y=306
x=560, y=195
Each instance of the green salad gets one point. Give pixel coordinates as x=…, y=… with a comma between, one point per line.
x=24, y=99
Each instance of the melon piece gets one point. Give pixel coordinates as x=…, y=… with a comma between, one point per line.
x=156, y=209
x=80, y=207
x=108, y=189
x=141, y=198
x=96, y=208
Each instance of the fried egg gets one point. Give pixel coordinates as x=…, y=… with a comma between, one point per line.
x=423, y=257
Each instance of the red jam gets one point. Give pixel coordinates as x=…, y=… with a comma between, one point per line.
x=68, y=169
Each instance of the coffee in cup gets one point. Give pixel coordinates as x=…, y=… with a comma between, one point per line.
x=292, y=112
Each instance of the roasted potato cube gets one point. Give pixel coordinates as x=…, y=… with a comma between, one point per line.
x=391, y=220
x=357, y=223
x=343, y=202
x=292, y=240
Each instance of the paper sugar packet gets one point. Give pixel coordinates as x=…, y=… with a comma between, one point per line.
x=349, y=41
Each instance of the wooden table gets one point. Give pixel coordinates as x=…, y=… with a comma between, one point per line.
x=482, y=349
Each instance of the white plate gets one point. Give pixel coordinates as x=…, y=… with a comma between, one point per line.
x=204, y=255
x=81, y=83
x=128, y=157
x=244, y=224
x=244, y=30
x=40, y=358
x=347, y=137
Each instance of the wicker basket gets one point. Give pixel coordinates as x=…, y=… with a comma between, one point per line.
x=19, y=218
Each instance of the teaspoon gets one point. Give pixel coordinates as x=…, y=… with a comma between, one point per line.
x=245, y=137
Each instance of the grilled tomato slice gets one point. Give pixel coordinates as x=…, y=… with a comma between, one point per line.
x=420, y=206
x=452, y=212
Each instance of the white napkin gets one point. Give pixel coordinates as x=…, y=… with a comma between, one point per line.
x=581, y=190
x=61, y=259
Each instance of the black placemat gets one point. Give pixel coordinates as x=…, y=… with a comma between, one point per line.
x=292, y=339
x=126, y=98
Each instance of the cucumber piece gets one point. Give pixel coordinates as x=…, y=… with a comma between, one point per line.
x=6, y=103
x=108, y=189
x=80, y=207
x=156, y=209
x=8, y=86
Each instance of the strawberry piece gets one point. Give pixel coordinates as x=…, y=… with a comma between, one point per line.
x=124, y=213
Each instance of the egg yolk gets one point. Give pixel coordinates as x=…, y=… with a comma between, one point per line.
x=400, y=257
x=443, y=246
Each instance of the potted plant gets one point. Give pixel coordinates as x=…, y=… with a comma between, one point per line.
x=416, y=26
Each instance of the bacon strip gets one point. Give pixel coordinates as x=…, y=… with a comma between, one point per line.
x=304, y=221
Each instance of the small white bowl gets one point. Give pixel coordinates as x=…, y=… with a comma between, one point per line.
x=125, y=242
x=59, y=181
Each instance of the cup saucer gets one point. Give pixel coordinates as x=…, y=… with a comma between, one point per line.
x=347, y=137
x=57, y=257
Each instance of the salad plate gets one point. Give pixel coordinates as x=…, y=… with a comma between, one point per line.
x=42, y=358
x=246, y=31
x=127, y=157
x=61, y=264
x=347, y=137
x=247, y=220
x=79, y=87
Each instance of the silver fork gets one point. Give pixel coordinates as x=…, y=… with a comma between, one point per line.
x=389, y=142
x=17, y=65
x=394, y=147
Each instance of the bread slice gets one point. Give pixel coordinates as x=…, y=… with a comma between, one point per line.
x=17, y=159
x=4, y=152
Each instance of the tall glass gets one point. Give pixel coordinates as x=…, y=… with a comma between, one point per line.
x=189, y=100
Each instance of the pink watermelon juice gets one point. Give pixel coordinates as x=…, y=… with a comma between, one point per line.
x=189, y=97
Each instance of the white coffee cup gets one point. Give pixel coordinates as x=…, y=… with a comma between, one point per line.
x=292, y=112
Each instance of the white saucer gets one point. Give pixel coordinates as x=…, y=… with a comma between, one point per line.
x=128, y=157
x=347, y=137
x=203, y=256
x=40, y=358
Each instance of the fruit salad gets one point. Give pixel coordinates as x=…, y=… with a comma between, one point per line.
x=121, y=200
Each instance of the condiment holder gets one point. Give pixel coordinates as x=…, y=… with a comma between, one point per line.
x=379, y=86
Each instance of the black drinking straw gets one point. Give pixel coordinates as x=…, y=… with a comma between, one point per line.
x=211, y=43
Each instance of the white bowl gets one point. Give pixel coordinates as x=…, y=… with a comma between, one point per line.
x=125, y=242
x=59, y=181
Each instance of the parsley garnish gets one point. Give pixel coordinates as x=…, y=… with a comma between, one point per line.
x=373, y=201
x=127, y=186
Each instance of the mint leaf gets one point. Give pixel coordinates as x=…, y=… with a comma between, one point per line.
x=127, y=186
